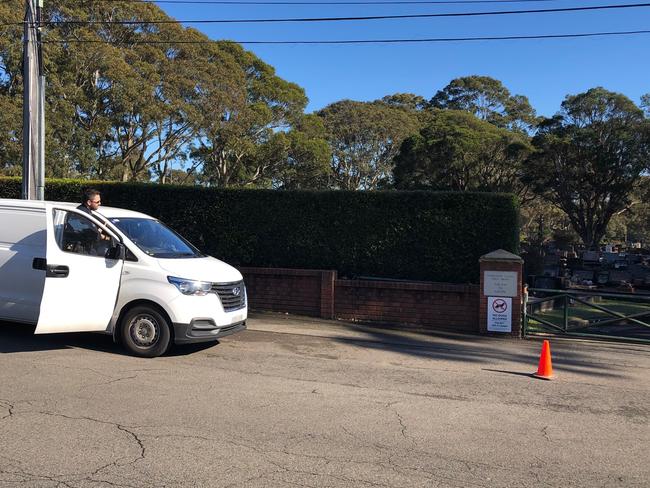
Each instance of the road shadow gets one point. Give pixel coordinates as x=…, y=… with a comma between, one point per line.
x=187, y=349
x=600, y=360
x=514, y=373
x=21, y=338
x=16, y=338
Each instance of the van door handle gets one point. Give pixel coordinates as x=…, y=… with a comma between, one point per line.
x=57, y=271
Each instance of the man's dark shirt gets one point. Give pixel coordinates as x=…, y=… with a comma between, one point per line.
x=100, y=233
x=83, y=208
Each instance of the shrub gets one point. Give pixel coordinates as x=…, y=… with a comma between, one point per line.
x=415, y=235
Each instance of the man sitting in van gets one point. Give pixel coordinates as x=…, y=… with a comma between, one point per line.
x=90, y=201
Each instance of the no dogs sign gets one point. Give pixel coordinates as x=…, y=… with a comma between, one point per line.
x=499, y=314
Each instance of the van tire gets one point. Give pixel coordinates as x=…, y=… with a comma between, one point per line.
x=145, y=332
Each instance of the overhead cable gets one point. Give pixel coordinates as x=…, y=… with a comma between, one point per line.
x=369, y=41
x=339, y=19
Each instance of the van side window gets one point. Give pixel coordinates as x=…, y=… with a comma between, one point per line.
x=77, y=234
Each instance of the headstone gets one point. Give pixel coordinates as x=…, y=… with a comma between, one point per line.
x=551, y=260
x=638, y=270
x=610, y=257
x=602, y=277
x=618, y=276
x=620, y=264
x=551, y=271
x=583, y=275
x=547, y=282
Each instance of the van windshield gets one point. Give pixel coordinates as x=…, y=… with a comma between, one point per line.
x=155, y=238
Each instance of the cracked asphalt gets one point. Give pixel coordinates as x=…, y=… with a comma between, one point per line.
x=302, y=402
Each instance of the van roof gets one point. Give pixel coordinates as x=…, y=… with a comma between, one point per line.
x=121, y=213
x=108, y=212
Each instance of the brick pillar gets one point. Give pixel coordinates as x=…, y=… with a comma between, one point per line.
x=500, y=308
x=327, y=294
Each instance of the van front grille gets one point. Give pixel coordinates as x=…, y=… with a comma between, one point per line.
x=232, y=295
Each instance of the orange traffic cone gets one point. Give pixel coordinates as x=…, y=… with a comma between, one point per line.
x=545, y=369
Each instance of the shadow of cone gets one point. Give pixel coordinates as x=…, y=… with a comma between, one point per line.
x=545, y=368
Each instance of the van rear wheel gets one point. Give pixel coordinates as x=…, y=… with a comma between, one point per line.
x=145, y=332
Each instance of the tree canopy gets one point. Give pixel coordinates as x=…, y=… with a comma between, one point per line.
x=645, y=104
x=589, y=157
x=488, y=100
x=364, y=138
x=161, y=102
x=460, y=152
x=125, y=102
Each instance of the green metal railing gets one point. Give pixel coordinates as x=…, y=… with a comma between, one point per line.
x=587, y=313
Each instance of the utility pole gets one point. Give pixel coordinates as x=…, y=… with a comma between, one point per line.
x=33, y=104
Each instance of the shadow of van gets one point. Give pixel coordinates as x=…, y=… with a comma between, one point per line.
x=21, y=338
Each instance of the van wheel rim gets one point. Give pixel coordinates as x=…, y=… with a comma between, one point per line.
x=144, y=330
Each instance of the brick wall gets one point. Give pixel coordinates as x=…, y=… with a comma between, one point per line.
x=318, y=293
x=299, y=291
x=435, y=305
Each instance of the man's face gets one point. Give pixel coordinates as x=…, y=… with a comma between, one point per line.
x=94, y=202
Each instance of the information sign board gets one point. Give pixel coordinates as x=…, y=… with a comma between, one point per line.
x=500, y=283
x=499, y=314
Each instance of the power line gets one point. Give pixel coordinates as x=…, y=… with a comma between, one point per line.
x=371, y=41
x=338, y=19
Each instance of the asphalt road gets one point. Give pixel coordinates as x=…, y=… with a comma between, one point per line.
x=298, y=402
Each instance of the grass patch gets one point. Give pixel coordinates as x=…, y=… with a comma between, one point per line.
x=581, y=315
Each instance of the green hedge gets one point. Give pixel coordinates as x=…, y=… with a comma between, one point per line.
x=394, y=234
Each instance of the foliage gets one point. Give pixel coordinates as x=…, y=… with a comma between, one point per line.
x=589, y=158
x=645, y=104
x=488, y=99
x=632, y=224
x=230, y=137
x=540, y=221
x=10, y=91
x=364, y=137
x=304, y=156
x=459, y=152
x=10, y=187
x=409, y=235
x=11, y=142
x=407, y=101
x=126, y=103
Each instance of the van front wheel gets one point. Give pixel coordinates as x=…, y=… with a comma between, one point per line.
x=145, y=332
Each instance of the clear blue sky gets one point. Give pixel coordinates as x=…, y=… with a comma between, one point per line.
x=543, y=70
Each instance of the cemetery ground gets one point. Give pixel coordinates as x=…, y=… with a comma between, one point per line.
x=294, y=401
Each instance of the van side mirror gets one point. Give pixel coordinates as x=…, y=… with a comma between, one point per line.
x=116, y=252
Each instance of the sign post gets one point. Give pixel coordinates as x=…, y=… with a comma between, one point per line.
x=501, y=293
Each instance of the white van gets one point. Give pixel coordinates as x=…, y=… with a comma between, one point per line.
x=116, y=271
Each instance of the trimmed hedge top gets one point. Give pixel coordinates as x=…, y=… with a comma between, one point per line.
x=416, y=235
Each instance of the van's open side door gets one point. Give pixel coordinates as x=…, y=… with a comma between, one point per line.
x=81, y=284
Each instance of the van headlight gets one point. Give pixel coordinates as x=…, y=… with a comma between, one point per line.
x=190, y=287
